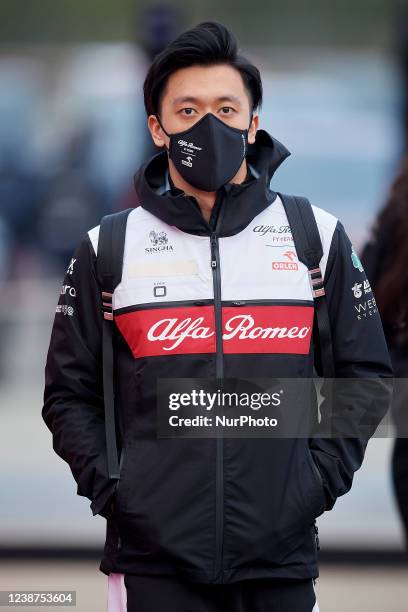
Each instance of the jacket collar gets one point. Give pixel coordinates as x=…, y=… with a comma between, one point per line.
x=236, y=204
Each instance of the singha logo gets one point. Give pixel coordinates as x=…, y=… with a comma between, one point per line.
x=157, y=238
x=159, y=241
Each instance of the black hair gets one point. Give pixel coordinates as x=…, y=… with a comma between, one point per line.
x=208, y=43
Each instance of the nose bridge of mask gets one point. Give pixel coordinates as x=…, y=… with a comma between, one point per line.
x=182, y=131
x=208, y=115
x=229, y=127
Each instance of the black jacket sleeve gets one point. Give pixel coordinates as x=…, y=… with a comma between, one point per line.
x=73, y=407
x=360, y=353
x=370, y=258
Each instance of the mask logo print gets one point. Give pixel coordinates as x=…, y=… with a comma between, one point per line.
x=187, y=149
x=188, y=161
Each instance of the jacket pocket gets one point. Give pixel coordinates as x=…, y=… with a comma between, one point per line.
x=115, y=506
x=314, y=495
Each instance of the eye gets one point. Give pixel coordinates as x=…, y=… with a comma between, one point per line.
x=187, y=111
x=227, y=110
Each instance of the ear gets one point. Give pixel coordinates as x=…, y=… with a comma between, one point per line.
x=159, y=137
x=253, y=129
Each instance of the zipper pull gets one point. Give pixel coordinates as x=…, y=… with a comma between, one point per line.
x=213, y=241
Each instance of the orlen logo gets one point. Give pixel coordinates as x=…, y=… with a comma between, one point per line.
x=286, y=265
x=255, y=329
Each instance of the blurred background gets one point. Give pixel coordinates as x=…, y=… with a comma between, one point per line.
x=72, y=134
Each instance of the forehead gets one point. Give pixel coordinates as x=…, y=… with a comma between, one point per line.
x=205, y=83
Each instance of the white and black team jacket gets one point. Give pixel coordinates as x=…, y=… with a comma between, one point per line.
x=227, y=298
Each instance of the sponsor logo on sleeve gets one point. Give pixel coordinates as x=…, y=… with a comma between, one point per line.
x=68, y=290
x=65, y=310
x=366, y=309
x=358, y=288
x=70, y=268
x=356, y=260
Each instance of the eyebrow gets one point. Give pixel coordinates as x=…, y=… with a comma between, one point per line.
x=193, y=100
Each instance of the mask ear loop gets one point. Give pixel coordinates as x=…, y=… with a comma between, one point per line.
x=247, y=133
x=250, y=123
x=167, y=134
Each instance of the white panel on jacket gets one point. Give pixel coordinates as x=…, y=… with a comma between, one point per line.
x=162, y=263
x=93, y=237
x=261, y=261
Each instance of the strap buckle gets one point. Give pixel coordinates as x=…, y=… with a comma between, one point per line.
x=107, y=305
x=316, y=282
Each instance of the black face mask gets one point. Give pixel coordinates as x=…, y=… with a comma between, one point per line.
x=209, y=154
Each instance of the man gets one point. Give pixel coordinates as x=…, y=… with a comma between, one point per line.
x=212, y=523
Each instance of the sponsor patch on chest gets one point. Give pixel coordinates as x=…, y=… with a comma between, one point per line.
x=191, y=329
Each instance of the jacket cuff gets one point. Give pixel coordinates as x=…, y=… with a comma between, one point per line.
x=99, y=503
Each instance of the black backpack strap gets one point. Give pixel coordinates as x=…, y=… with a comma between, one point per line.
x=309, y=251
x=109, y=263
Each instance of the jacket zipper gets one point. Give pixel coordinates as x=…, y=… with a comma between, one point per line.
x=122, y=455
x=215, y=267
x=316, y=530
